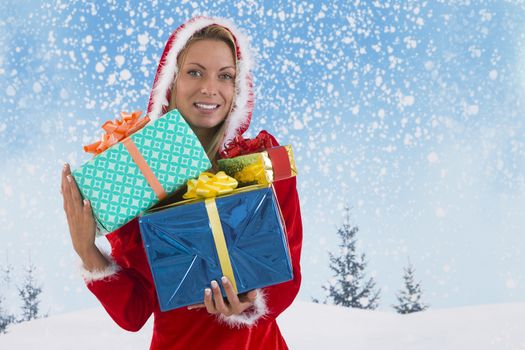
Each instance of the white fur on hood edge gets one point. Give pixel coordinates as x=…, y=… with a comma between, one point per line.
x=97, y=275
x=250, y=316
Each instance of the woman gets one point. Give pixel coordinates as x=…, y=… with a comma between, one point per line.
x=204, y=72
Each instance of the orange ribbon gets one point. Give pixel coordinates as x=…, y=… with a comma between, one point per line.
x=117, y=131
x=143, y=166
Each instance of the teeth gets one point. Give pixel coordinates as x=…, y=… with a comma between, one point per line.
x=205, y=106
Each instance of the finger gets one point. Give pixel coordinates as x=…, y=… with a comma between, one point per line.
x=247, y=300
x=68, y=175
x=74, y=189
x=88, y=210
x=208, y=302
x=64, y=182
x=251, y=295
x=66, y=193
x=65, y=172
x=73, y=205
x=67, y=169
x=217, y=297
x=196, y=306
x=230, y=293
x=63, y=179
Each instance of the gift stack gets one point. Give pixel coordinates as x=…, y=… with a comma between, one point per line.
x=230, y=223
x=222, y=229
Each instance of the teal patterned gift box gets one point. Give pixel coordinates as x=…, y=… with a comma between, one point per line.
x=117, y=187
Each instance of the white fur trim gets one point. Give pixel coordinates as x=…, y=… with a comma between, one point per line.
x=169, y=69
x=96, y=275
x=250, y=316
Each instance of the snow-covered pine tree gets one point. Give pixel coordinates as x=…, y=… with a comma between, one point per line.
x=30, y=294
x=7, y=270
x=409, y=298
x=349, y=286
x=5, y=318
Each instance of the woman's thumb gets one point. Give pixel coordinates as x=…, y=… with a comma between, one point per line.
x=252, y=295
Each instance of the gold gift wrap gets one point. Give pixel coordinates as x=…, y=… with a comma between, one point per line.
x=266, y=167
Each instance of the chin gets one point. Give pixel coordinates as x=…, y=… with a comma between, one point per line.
x=207, y=125
x=210, y=124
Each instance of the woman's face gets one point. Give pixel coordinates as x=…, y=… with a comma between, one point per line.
x=205, y=85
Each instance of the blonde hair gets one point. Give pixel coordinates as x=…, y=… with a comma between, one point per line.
x=212, y=32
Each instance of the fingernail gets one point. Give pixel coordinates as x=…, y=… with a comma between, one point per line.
x=207, y=291
x=189, y=308
x=224, y=280
x=69, y=178
x=214, y=284
x=65, y=166
x=86, y=202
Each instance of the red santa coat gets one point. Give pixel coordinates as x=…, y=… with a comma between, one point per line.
x=126, y=288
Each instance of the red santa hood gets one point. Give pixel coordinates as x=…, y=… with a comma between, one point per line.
x=240, y=116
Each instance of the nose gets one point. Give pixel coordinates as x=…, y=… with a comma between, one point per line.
x=209, y=87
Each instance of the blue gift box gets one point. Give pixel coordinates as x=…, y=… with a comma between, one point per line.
x=181, y=249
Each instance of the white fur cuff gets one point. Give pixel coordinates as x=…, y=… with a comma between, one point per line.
x=250, y=316
x=96, y=275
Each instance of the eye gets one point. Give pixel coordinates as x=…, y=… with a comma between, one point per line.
x=226, y=76
x=194, y=73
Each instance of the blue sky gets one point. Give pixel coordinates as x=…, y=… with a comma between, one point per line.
x=409, y=112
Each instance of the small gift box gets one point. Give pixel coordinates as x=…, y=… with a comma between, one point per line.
x=240, y=235
x=270, y=165
x=134, y=174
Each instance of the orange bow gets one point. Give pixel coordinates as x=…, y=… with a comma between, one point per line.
x=117, y=131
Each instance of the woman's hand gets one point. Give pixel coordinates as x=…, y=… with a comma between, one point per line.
x=82, y=227
x=235, y=305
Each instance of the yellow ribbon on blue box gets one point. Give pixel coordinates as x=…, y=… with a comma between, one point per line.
x=209, y=186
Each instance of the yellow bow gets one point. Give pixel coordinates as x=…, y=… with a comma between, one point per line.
x=209, y=185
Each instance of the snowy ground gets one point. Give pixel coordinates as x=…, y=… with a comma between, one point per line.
x=306, y=326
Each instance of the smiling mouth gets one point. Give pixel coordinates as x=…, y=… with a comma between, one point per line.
x=206, y=106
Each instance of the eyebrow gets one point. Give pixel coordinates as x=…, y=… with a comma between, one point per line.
x=200, y=65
